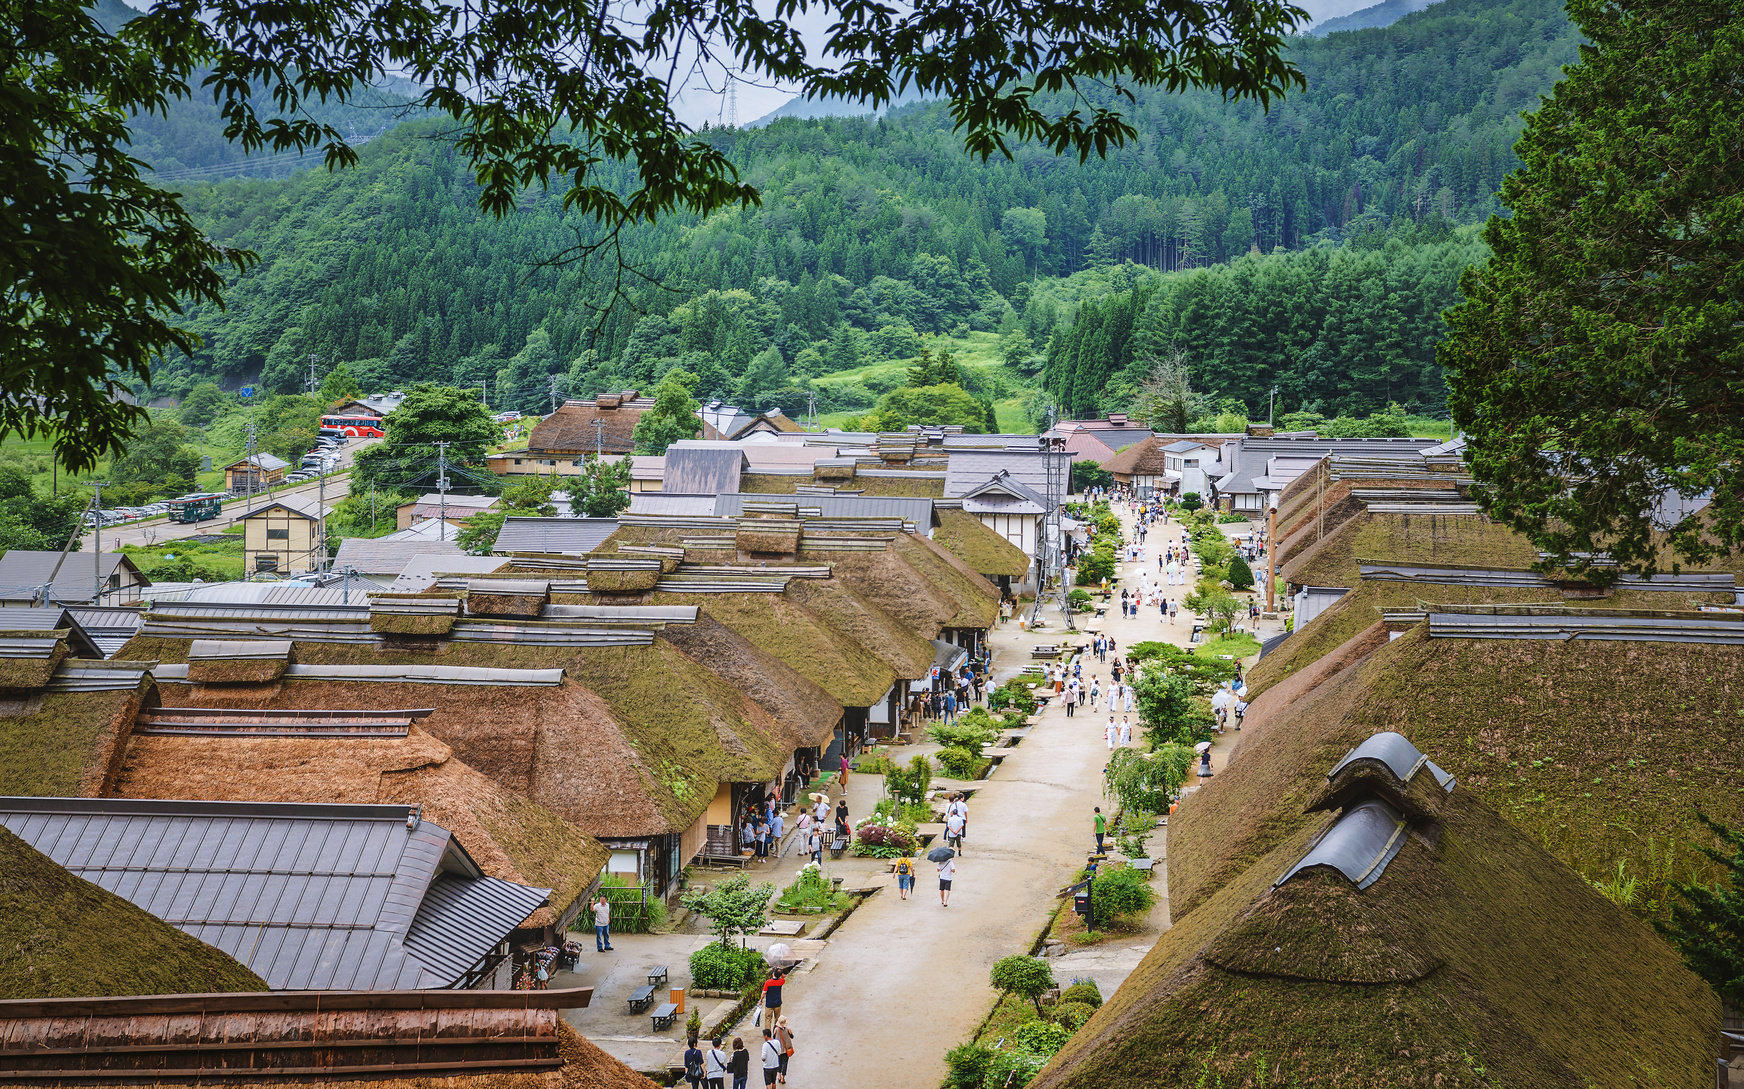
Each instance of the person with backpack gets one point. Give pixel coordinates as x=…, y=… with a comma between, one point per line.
x=771, y=1056
x=784, y=1037
x=904, y=876
x=714, y=1065
x=693, y=1064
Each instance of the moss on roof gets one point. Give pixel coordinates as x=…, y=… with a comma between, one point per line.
x=1408, y=538
x=1602, y=751
x=977, y=598
x=1479, y=961
x=63, y=937
x=509, y=836
x=972, y=541
x=64, y=744
x=805, y=711
x=906, y=487
x=772, y=483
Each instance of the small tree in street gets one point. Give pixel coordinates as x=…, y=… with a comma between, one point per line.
x=1241, y=576
x=734, y=908
x=1191, y=501
x=1026, y=977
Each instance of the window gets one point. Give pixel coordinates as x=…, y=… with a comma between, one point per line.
x=278, y=534
x=266, y=563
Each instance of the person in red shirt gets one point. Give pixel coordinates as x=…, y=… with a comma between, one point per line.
x=772, y=995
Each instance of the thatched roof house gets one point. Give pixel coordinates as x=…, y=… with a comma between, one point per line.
x=1390, y=932
x=571, y=431
x=1560, y=736
x=986, y=552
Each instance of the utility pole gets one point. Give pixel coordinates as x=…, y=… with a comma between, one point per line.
x=97, y=539
x=313, y=383
x=372, y=506
x=554, y=393
x=1272, y=555
x=442, y=489
x=248, y=479
x=599, y=438
x=320, y=549
x=811, y=408
x=1271, y=400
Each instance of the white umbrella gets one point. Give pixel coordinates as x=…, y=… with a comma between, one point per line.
x=778, y=955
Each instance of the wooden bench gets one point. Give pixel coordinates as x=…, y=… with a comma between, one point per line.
x=1045, y=650
x=663, y=1016
x=642, y=998
x=657, y=976
x=1143, y=865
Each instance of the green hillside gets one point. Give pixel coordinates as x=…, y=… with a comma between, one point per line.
x=876, y=232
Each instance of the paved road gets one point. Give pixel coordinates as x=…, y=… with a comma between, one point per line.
x=157, y=530
x=902, y=983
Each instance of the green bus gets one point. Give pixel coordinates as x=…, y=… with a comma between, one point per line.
x=196, y=507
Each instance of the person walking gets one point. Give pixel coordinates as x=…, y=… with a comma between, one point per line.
x=1101, y=823
x=904, y=877
x=951, y=707
x=1126, y=731
x=954, y=827
x=1112, y=733
x=772, y=995
x=1082, y=692
x=1113, y=698
x=843, y=831
x=714, y=1065
x=947, y=873
x=1126, y=697
x=1240, y=712
x=960, y=806
x=602, y=924
x=775, y=829
x=1071, y=697
x=844, y=768
x=784, y=1037
x=1095, y=691
x=817, y=844
x=740, y=1064
x=771, y=1056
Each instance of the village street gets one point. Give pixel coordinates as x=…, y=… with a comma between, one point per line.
x=899, y=983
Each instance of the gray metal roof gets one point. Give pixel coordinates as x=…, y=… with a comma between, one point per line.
x=309, y=897
x=381, y=556
x=660, y=503
x=574, y=536
x=45, y=620
x=235, y=649
x=1397, y=755
x=1005, y=494
x=699, y=468
x=400, y=674
x=263, y=461
x=421, y=571
x=23, y=572
x=916, y=512
x=110, y=627
x=1359, y=845
x=969, y=469
x=1565, y=625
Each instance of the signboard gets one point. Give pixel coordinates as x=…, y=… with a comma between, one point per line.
x=248, y=391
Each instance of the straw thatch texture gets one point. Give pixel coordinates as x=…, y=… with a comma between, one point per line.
x=236, y=670
x=570, y=430
x=64, y=744
x=842, y=471
x=623, y=582
x=807, y=714
x=1474, y=960
x=907, y=652
x=887, y=580
x=976, y=598
x=973, y=542
x=484, y=599
x=795, y=628
x=27, y=674
x=411, y=624
x=917, y=487
x=767, y=536
x=64, y=937
x=509, y=836
x=1602, y=751
x=1408, y=538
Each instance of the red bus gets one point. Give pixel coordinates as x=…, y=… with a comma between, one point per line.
x=352, y=426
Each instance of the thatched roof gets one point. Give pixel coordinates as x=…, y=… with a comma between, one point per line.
x=1601, y=751
x=508, y=836
x=803, y=709
x=570, y=430
x=61, y=936
x=1473, y=959
x=65, y=744
x=1142, y=458
x=973, y=542
x=1406, y=538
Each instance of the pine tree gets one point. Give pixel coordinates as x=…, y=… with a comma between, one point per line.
x=1707, y=921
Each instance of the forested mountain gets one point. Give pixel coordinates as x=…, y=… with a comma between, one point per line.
x=874, y=231
x=1385, y=13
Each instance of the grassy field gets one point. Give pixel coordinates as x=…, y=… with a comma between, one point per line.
x=36, y=457
x=220, y=559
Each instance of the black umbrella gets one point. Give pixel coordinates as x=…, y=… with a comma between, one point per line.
x=941, y=854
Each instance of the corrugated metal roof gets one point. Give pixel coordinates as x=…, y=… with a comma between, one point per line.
x=696, y=468
x=400, y=674
x=660, y=503
x=48, y=619
x=421, y=572
x=1359, y=845
x=309, y=897
x=234, y=649
x=572, y=536
x=110, y=627
x=24, y=571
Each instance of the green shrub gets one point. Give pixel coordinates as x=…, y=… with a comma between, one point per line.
x=1097, y=566
x=1079, y=599
x=968, y=1066
x=965, y=733
x=810, y=889
x=1012, y=694
x=1190, y=501
x=1240, y=574
x=908, y=785
x=717, y=967
x=959, y=763
x=1025, y=977
x=1013, y=1069
x=632, y=913
x=877, y=762
x=1119, y=894
x=1071, y=1015
x=1082, y=990
x=1041, y=1037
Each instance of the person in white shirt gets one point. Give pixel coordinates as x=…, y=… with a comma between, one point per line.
x=954, y=824
x=1126, y=731
x=960, y=807
x=771, y=1056
x=1113, y=733
x=714, y=1065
